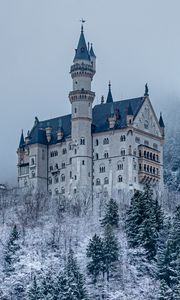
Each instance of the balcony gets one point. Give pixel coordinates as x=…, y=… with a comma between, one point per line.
x=149, y=164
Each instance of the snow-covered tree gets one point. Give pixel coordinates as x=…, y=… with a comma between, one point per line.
x=12, y=248
x=111, y=217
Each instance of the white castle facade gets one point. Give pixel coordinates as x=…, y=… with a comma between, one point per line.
x=112, y=147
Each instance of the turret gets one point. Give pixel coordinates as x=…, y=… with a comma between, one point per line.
x=93, y=58
x=81, y=98
x=22, y=141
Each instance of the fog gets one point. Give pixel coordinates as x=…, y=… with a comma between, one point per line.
x=135, y=42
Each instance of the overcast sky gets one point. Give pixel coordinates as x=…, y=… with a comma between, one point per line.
x=135, y=41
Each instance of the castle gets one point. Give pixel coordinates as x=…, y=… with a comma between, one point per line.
x=112, y=147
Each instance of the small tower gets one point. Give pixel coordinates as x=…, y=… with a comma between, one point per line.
x=162, y=126
x=81, y=98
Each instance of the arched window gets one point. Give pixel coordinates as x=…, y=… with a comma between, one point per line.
x=123, y=152
x=56, y=179
x=106, y=180
x=56, y=191
x=105, y=141
x=50, y=180
x=98, y=182
x=106, y=154
x=119, y=165
x=62, y=190
x=122, y=138
x=102, y=169
x=62, y=177
x=150, y=156
x=120, y=179
x=97, y=156
x=56, y=166
x=82, y=141
x=64, y=151
x=96, y=142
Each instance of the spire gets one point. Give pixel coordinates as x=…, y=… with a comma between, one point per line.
x=161, y=122
x=130, y=111
x=109, y=97
x=92, y=54
x=146, y=93
x=22, y=142
x=82, y=51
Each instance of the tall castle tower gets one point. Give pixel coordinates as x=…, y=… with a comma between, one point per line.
x=81, y=98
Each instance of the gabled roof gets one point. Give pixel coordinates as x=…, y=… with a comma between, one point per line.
x=100, y=122
x=82, y=51
x=101, y=113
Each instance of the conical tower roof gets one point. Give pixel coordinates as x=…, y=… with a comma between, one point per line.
x=81, y=51
x=92, y=54
x=22, y=142
x=109, y=96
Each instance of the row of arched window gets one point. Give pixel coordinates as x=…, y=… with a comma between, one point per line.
x=149, y=169
x=149, y=155
x=53, y=153
x=106, y=140
x=106, y=180
x=56, y=179
x=56, y=166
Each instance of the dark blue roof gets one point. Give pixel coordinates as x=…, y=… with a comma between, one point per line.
x=92, y=54
x=109, y=96
x=22, y=142
x=130, y=111
x=82, y=51
x=101, y=112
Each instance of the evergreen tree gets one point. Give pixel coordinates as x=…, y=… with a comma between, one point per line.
x=34, y=292
x=110, y=249
x=95, y=251
x=11, y=251
x=71, y=283
x=135, y=217
x=47, y=287
x=111, y=215
x=165, y=292
x=144, y=221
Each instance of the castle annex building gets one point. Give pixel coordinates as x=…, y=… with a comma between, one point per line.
x=113, y=146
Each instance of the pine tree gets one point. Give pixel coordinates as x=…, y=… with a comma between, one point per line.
x=95, y=251
x=34, y=292
x=47, y=287
x=11, y=251
x=111, y=215
x=71, y=285
x=165, y=292
x=144, y=221
x=110, y=249
x=135, y=217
